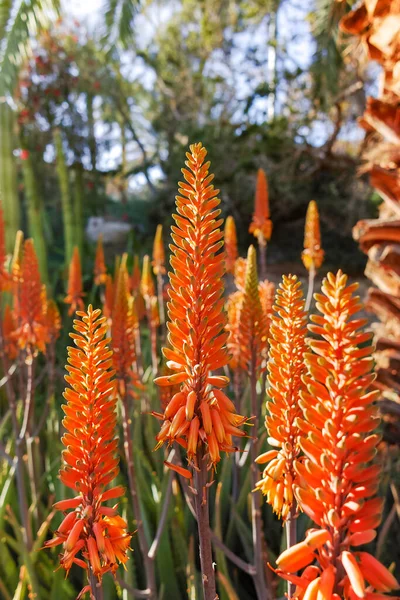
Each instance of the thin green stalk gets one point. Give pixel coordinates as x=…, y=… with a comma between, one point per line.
x=291, y=539
x=262, y=591
x=95, y=586
x=203, y=525
x=133, y=488
x=311, y=279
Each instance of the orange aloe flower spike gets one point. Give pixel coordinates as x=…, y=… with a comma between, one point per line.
x=75, y=286
x=336, y=483
x=158, y=262
x=31, y=332
x=312, y=255
x=231, y=247
x=285, y=371
x=240, y=273
x=233, y=310
x=147, y=288
x=261, y=225
x=91, y=533
x=100, y=269
x=253, y=322
x=200, y=416
x=122, y=335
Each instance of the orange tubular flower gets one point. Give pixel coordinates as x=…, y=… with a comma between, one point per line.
x=158, y=253
x=93, y=531
x=31, y=332
x=336, y=483
x=286, y=368
x=100, y=269
x=75, y=287
x=122, y=335
x=231, y=248
x=261, y=226
x=200, y=417
x=253, y=322
x=312, y=255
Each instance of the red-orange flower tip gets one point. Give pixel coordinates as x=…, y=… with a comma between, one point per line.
x=158, y=253
x=231, y=248
x=100, y=269
x=261, y=225
x=313, y=254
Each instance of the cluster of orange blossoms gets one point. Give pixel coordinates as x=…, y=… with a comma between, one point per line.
x=33, y=321
x=286, y=368
x=313, y=254
x=100, y=269
x=335, y=481
x=200, y=417
x=93, y=535
x=261, y=225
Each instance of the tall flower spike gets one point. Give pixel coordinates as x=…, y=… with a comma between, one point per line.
x=312, y=255
x=93, y=536
x=261, y=225
x=31, y=332
x=147, y=283
x=158, y=253
x=200, y=417
x=285, y=371
x=100, y=269
x=253, y=323
x=233, y=309
x=231, y=248
x=122, y=335
x=10, y=340
x=337, y=482
x=75, y=288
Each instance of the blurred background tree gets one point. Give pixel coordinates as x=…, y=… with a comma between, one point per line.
x=105, y=110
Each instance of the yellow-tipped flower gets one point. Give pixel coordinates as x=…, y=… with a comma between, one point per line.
x=261, y=225
x=231, y=249
x=312, y=255
x=286, y=367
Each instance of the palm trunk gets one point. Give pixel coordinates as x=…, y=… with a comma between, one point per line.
x=8, y=175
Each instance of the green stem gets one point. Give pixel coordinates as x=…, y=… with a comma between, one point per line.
x=311, y=279
x=291, y=539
